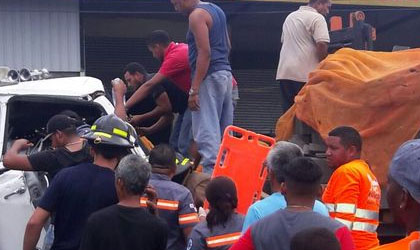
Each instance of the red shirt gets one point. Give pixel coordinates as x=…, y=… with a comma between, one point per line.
x=175, y=66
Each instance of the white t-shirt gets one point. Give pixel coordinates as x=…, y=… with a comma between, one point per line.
x=302, y=29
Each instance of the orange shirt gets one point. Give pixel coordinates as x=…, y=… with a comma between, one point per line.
x=403, y=244
x=352, y=197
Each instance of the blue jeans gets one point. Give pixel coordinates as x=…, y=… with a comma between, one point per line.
x=181, y=136
x=215, y=114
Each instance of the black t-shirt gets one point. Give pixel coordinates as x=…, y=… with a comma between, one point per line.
x=147, y=105
x=52, y=161
x=124, y=228
x=74, y=194
x=177, y=97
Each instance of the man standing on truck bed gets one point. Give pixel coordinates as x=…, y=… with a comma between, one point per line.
x=210, y=96
x=305, y=41
x=352, y=195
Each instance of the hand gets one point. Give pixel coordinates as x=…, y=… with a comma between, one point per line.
x=152, y=200
x=137, y=120
x=119, y=87
x=194, y=103
x=142, y=131
x=202, y=213
x=22, y=144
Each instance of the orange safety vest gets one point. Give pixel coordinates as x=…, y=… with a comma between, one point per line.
x=352, y=197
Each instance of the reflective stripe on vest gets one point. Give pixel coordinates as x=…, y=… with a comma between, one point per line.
x=161, y=204
x=359, y=226
x=222, y=240
x=188, y=218
x=348, y=208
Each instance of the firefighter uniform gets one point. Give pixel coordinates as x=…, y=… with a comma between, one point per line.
x=221, y=237
x=353, y=198
x=176, y=207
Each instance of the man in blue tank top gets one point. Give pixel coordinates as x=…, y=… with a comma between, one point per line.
x=210, y=96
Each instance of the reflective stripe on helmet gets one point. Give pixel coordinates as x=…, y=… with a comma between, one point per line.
x=120, y=132
x=103, y=134
x=93, y=127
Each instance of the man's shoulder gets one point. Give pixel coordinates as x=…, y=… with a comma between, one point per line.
x=103, y=214
x=276, y=200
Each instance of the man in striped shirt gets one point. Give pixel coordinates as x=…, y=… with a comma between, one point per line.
x=175, y=202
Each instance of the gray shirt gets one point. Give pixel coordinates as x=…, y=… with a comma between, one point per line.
x=176, y=207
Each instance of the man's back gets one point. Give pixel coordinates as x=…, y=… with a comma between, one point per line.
x=124, y=228
x=176, y=207
x=353, y=195
x=275, y=231
x=74, y=194
x=302, y=29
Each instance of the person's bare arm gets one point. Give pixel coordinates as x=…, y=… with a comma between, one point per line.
x=119, y=91
x=322, y=50
x=144, y=90
x=163, y=106
x=13, y=160
x=163, y=122
x=34, y=227
x=200, y=22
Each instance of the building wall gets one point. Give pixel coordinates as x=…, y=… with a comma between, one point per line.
x=40, y=34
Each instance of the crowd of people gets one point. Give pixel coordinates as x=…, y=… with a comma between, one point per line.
x=102, y=196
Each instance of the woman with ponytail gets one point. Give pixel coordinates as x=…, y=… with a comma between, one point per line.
x=223, y=225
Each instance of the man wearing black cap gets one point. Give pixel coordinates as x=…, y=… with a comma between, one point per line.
x=77, y=192
x=69, y=149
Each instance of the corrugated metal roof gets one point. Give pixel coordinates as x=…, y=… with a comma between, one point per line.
x=40, y=34
x=259, y=106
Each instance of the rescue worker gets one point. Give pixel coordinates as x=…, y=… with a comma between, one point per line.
x=403, y=194
x=131, y=178
x=175, y=203
x=68, y=149
x=78, y=191
x=352, y=195
x=152, y=117
x=223, y=225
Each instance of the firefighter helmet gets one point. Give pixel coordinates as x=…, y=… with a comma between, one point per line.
x=110, y=130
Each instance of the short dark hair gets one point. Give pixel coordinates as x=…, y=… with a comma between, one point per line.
x=318, y=1
x=108, y=151
x=162, y=156
x=303, y=176
x=348, y=136
x=158, y=37
x=134, y=67
x=315, y=238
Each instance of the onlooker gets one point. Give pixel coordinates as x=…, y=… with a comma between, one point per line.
x=82, y=128
x=174, y=58
x=175, y=202
x=317, y=238
x=223, y=225
x=68, y=149
x=305, y=41
x=279, y=156
x=126, y=226
x=403, y=194
x=352, y=195
x=153, y=116
x=211, y=87
x=78, y=191
x=301, y=186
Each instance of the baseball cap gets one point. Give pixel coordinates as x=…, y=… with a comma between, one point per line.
x=61, y=122
x=405, y=167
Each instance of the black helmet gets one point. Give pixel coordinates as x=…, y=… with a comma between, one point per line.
x=110, y=130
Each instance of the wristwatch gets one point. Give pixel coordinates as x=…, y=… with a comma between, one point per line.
x=193, y=92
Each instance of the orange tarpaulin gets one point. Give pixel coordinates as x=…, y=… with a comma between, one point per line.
x=378, y=93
